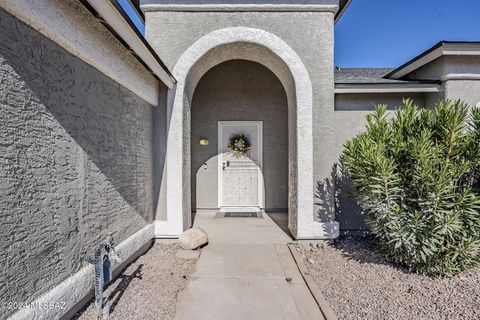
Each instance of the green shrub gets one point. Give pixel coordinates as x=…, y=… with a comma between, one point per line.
x=416, y=176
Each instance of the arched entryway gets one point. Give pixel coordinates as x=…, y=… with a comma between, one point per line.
x=240, y=93
x=271, y=52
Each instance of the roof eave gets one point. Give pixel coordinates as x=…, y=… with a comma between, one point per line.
x=123, y=29
x=343, y=6
x=440, y=49
x=387, y=88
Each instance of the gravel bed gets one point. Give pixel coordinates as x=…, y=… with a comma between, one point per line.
x=359, y=283
x=147, y=288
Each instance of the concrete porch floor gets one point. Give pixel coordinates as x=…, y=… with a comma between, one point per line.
x=242, y=273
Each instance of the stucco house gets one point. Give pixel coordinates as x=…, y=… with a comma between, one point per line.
x=104, y=130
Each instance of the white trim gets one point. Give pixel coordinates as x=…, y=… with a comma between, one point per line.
x=72, y=290
x=240, y=7
x=418, y=63
x=301, y=182
x=320, y=230
x=118, y=23
x=167, y=229
x=461, y=76
x=240, y=209
x=461, y=49
x=377, y=88
x=446, y=49
x=259, y=125
x=83, y=36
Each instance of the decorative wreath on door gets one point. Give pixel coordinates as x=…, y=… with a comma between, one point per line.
x=239, y=144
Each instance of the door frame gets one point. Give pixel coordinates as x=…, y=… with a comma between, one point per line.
x=261, y=183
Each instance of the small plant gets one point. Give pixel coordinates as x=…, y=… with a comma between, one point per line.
x=416, y=175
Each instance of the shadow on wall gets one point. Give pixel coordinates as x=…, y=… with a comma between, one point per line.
x=207, y=182
x=112, y=126
x=239, y=90
x=80, y=156
x=335, y=199
x=369, y=101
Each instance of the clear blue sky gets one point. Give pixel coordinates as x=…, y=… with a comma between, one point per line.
x=127, y=7
x=388, y=33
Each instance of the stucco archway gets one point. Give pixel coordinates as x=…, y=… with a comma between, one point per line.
x=272, y=52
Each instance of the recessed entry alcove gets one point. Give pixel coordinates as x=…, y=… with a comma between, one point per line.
x=242, y=91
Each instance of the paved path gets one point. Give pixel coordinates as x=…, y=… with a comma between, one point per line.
x=241, y=274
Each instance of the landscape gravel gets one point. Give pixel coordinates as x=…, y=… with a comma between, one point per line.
x=359, y=283
x=147, y=288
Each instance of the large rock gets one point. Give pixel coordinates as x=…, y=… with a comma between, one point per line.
x=193, y=238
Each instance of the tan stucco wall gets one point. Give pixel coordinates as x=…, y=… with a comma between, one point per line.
x=239, y=90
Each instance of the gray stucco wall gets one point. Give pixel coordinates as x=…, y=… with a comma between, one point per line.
x=460, y=76
x=447, y=65
x=358, y=102
x=78, y=158
x=309, y=34
x=351, y=110
x=466, y=90
x=239, y=90
x=349, y=119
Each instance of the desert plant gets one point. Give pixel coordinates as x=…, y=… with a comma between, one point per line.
x=416, y=175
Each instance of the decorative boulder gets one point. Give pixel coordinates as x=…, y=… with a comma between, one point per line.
x=193, y=238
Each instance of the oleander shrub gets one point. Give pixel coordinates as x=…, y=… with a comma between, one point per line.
x=416, y=176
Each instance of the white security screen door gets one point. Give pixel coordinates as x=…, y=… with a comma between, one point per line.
x=240, y=183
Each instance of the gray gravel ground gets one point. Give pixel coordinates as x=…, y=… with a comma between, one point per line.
x=360, y=284
x=148, y=288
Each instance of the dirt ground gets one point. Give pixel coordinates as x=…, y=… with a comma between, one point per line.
x=359, y=283
x=147, y=288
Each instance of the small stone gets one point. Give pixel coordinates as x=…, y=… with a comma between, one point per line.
x=289, y=279
x=193, y=238
x=187, y=254
x=311, y=261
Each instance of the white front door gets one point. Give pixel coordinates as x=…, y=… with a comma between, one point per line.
x=240, y=183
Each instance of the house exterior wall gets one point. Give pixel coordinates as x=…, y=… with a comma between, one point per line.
x=459, y=75
x=81, y=155
x=85, y=37
x=349, y=120
x=442, y=67
x=364, y=103
x=239, y=90
x=309, y=34
x=351, y=110
x=466, y=90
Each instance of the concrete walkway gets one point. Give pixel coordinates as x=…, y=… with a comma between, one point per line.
x=242, y=273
